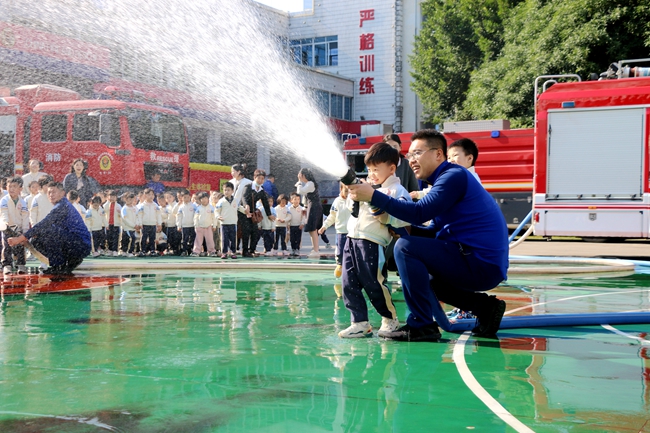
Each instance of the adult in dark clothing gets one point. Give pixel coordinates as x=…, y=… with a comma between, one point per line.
x=308, y=189
x=79, y=181
x=403, y=172
x=62, y=236
x=252, y=193
x=460, y=255
x=270, y=188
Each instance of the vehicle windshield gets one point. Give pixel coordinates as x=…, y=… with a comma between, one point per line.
x=156, y=131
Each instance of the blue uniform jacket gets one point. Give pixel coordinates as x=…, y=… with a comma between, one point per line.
x=462, y=211
x=63, y=221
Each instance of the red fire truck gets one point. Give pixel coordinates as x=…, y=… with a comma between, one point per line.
x=505, y=162
x=591, y=157
x=123, y=142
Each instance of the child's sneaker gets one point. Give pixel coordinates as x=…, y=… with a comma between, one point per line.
x=96, y=254
x=357, y=330
x=338, y=270
x=234, y=256
x=6, y=270
x=22, y=269
x=388, y=326
x=129, y=254
x=224, y=256
x=314, y=254
x=195, y=255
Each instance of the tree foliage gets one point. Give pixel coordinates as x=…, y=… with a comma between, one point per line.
x=512, y=45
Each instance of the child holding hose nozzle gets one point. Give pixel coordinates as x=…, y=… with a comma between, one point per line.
x=363, y=254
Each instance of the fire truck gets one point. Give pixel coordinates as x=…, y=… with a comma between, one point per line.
x=591, y=156
x=504, y=164
x=124, y=138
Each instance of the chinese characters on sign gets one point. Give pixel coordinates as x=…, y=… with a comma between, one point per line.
x=366, y=61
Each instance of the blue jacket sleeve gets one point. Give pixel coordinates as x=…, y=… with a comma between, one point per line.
x=448, y=189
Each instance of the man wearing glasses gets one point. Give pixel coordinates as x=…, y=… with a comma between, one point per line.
x=459, y=256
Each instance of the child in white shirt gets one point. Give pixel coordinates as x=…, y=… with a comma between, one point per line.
x=226, y=213
x=204, y=226
x=150, y=219
x=339, y=216
x=267, y=225
x=283, y=218
x=185, y=223
x=96, y=223
x=41, y=204
x=296, y=224
x=129, y=216
x=14, y=220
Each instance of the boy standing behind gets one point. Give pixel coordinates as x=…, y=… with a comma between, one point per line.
x=150, y=219
x=296, y=223
x=283, y=218
x=339, y=216
x=267, y=225
x=227, y=214
x=113, y=212
x=14, y=220
x=363, y=255
x=41, y=205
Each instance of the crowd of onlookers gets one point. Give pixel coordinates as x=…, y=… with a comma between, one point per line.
x=154, y=221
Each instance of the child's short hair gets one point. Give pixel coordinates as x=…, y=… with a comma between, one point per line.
x=468, y=146
x=16, y=179
x=184, y=192
x=201, y=195
x=112, y=193
x=259, y=172
x=282, y=197
x=381, y=152
x=147, y=190
x=129, y=195
x=32, y=183
x=45, y=180
x=294, y=194
x=96, y=199
x=161, y=196
x=229, y=185
x=73, y=195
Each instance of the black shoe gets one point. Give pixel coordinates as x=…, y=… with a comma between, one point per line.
x=408, y=333
x=487, y=324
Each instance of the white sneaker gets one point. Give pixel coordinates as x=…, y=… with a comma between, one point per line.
x=357, y=330
x=7, y=270
x=129, y=254
x=22, y=269
x=314, y=254
x=96, y=254
x=121, y=253
x=115, y=254
x=388, y=326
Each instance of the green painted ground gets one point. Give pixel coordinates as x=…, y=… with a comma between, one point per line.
x=257, y=351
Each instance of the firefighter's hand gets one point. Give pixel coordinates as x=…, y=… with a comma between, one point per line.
x=361, y=191
x=16, y=240
x=414, y=195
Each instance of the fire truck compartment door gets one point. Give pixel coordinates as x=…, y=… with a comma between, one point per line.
x=7, y=144
x=595, y=154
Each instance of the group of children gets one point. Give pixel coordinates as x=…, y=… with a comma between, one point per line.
x=185, y=224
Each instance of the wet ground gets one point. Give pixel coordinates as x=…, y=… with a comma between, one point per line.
x=247, y=351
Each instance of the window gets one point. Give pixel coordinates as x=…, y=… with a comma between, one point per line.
x=321, y=51
x=347, y=106
x=323, y=101
x=156, y=131
x=85, y=128
x=54, y=128
x=336, y=110
x=332, y=105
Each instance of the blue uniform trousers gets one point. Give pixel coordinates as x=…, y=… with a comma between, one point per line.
x=228, y=238
x=453, y=272
x=363, y=261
